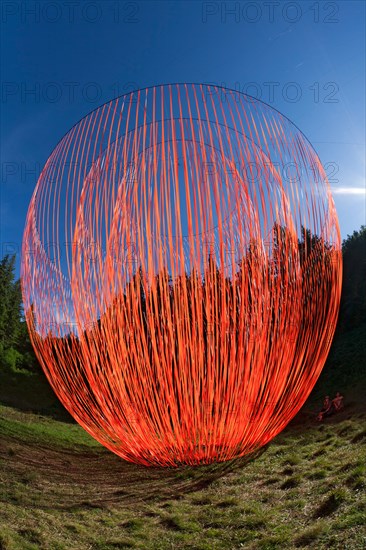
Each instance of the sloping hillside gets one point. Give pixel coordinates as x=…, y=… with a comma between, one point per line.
x=61, y=490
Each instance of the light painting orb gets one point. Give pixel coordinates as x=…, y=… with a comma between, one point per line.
x=181, y=273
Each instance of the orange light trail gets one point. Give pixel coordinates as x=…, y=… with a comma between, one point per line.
x=181, y=273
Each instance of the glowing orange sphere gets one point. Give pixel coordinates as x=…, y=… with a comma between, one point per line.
x=181, y=273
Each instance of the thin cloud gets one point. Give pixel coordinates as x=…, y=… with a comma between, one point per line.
x=272, y=38
x=349, y=190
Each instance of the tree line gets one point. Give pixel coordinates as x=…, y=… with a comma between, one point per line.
x=16, y=351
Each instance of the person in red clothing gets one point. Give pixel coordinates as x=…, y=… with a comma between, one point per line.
x=327, y=409
x=338, y=402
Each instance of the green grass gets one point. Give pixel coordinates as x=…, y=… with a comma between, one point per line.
x=30, y=392
x=60, y=489
x=39, y=430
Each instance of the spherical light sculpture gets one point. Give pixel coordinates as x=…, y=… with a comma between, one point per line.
x=181, y=273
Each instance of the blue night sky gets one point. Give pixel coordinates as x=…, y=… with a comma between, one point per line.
x=62, y=59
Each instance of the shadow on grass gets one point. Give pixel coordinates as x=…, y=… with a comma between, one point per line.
x=160, y=484
x=31, y=392
x=329, y=505
x=67, y=479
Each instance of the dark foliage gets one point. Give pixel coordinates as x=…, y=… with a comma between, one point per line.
x=16, y=351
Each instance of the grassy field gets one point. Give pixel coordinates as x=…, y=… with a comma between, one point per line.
x=59, y=489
